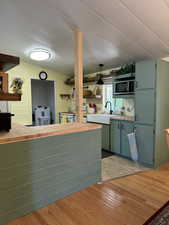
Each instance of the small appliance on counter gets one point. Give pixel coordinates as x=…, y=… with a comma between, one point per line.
x=42, y=115
x=66, y=117
x=5, y=121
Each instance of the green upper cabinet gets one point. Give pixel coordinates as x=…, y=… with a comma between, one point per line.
x=145, y=106
x=145, y=92
x=145, y=74
x=115, y=136
x=126, y=128
x=105, y=137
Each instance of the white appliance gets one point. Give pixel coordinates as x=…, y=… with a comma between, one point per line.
x=124, y=85
x=42, y=115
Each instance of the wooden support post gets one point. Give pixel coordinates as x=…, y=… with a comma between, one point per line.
x=79, y=75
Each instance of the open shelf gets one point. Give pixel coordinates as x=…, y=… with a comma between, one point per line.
x=7, y=62
x=10, y=97
x=66, y=96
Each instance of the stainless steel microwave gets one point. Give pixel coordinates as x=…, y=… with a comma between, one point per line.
x=124, y=87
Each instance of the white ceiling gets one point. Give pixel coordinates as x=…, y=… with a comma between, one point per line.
x=115, y=31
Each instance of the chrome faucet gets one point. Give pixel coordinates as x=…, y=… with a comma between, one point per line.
x=111, y=111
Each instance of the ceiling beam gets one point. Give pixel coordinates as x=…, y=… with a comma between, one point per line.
x=7, y=62
x=78, y=67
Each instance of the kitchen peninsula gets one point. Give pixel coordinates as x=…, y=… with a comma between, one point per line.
x=39, y=165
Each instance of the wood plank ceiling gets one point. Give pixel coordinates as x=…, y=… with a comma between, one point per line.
x=115, y=31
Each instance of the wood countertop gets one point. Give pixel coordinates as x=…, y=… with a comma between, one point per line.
x=23, y=133
x=128, y=118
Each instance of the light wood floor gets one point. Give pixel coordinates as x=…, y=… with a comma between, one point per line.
x=126, y=201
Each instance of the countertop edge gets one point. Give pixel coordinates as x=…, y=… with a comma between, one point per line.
x=39, y=135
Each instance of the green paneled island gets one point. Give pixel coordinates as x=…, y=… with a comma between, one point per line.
x=39, y=165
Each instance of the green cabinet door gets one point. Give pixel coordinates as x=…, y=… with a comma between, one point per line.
x=127, y=127
x=145, y=106
x=145, y=144
x=105, y=137
x=115, y=136
x=145, y=74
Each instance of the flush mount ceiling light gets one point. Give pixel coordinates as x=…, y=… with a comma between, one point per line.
x=40, y=54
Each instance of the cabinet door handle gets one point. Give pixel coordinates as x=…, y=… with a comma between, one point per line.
x=136, y=84
x=136, y=118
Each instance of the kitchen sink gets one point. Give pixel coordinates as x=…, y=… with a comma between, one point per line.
x=100, y=118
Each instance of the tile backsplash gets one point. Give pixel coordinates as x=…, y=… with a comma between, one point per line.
x=3, y=106
x=128, y=104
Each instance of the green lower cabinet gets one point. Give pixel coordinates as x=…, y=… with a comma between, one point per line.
x=106, y=137
x=119, y=139
x=126, y=128
x=115, y=136
x=145, y=144
x=144, y=139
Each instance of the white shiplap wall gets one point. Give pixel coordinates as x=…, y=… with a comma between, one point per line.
x=115, y=31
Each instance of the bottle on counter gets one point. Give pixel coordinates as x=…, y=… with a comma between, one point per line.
x=122, y=112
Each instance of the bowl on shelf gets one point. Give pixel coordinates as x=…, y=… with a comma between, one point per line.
x=87, y=93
